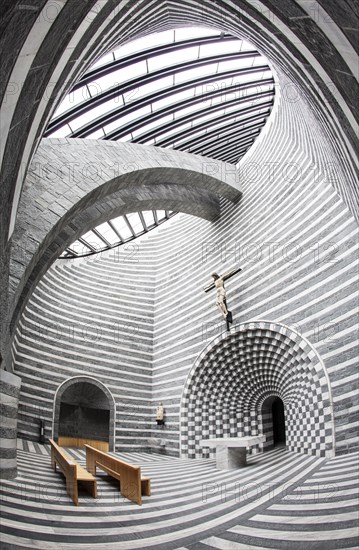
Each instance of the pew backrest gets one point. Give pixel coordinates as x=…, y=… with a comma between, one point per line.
x=129, y=475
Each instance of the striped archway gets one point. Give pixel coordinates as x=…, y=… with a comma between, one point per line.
x=236, y=373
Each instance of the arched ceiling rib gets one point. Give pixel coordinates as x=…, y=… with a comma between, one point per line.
x=196, y=90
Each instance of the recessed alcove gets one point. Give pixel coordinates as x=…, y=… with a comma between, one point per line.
x=249, y=381
x=84, y=413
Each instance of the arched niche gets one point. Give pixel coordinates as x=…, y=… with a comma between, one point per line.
x=237, y=373
x=84, y=411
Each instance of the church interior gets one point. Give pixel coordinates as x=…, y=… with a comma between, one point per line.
x=179, y=274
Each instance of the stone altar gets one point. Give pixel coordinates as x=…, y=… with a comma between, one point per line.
x=231, y=451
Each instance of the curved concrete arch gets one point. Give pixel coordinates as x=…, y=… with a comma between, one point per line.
x=123, y=178
x=252, y=344
x=90, y=380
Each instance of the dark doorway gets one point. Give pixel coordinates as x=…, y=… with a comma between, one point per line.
x=278, y=422
x=84, y=416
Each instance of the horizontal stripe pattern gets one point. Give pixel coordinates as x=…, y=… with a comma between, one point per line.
x=138, y=323
x=192, y=504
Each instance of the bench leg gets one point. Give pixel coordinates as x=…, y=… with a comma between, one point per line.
x=146, y=487
x=90, y=487
x=94, y=489
x=72, y=491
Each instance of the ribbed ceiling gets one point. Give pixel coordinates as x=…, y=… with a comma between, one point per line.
x=195, y=90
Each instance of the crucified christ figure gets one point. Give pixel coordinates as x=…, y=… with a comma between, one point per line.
x=221, y=297
x=221, y=301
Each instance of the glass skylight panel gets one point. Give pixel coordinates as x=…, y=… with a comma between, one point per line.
x=220, y=85
x=152, y=125
x=75, y=97
x=127, y=137
x=150, y=41
x=237, y=64
x=173, y=99
x=191, y=74
x=103, y=60
x=233, y=108
x=176, y=130
x=135, y=222
x=206, y=117
x=105, y=82
x=188, y=110
x=93, y=240
x=80, y=249
x=96, y=135
x=94, y=113
x=122, y=227
x=247, y=77
x=148, y=217
x=131, y=71
x=127, y=119
x=62, y=132
x=245, y=46
x=259, y=60
x=106, y=230
x=161, y=215
x=173, y=58
x=157, y=85
x=194, y=32
x=219, y=48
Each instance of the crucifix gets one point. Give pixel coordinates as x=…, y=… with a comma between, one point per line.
x=221, y=299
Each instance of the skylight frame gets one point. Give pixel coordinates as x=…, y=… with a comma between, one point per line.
x=208, y=114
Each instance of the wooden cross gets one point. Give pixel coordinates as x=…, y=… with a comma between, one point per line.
x=211, y=286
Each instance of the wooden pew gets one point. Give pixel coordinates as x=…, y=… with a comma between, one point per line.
x=132, y=486
x=72, y=471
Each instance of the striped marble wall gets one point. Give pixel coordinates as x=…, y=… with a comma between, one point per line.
x=91, y=316
x=9, y=400
x=137, y=319
x=296, y=242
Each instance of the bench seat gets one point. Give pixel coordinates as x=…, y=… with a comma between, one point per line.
x=72, y=471
x=131, y=484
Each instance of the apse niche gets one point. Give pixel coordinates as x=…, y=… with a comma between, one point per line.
x=83, y=415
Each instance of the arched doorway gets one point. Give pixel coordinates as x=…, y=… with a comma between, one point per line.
x=84, y=412
x=278, y=422
x=272, y=422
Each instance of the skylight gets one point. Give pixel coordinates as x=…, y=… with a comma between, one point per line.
x=193, y=89
x=116, y=232
x=169, y=84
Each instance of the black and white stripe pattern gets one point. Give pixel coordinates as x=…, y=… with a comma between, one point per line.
x=297, y=244
x=9, y=402
x=281, y=500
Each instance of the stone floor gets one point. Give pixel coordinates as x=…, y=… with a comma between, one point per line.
x=280, y=500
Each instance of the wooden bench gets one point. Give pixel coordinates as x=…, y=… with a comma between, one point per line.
x=132, y=486
x=72, y=471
